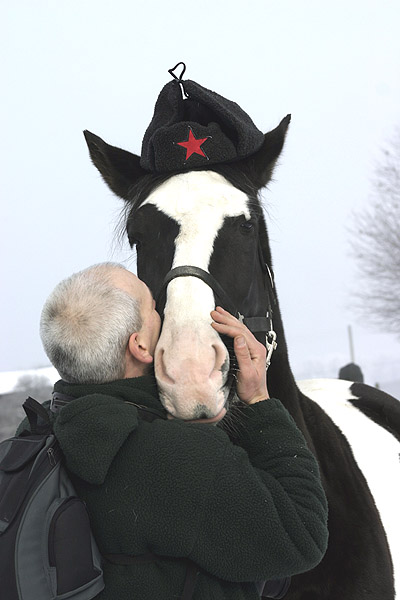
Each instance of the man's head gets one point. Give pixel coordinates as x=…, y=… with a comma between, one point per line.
x=100, y=325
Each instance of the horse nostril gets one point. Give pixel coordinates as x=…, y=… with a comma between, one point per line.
x=221, y=359
x=225, y=366
x=201, y=412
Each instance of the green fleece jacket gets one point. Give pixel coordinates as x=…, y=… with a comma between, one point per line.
x=244, y=512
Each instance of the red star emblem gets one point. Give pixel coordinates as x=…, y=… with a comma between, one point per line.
x=193, y=145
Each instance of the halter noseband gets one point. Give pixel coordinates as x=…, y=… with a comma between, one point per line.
x=254, y=324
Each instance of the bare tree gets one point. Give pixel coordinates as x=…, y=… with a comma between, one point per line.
x=34, y=385
x=376, y=245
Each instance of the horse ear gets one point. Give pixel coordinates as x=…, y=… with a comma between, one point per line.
x=262, y=163
x=119, y=168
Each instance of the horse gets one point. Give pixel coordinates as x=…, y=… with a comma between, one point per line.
x=201, y=239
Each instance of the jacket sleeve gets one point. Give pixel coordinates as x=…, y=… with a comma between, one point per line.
x=255, y=511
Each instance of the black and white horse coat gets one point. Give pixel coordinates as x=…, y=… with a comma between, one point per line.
x=213, y=220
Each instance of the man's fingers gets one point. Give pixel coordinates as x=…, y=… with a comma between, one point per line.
x=232, y=331
x=223, y=316
x=238, y=329
x=227, y=323
x=241, y=347
x=222, y=311
x=240, y=342
x=242, y=354
x=250, y=354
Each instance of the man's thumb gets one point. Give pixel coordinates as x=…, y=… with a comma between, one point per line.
x=240, y=341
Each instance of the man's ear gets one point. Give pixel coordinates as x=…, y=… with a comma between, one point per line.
x=138, y=349
x=262, y=163
x=119, y=168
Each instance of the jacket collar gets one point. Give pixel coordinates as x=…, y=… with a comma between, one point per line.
x=125, y=389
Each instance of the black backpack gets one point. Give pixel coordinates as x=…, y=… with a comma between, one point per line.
x=47, y=549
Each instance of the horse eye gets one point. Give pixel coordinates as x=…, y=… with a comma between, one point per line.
x=247, y=225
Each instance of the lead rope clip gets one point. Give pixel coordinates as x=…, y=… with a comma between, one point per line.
x=272, y=344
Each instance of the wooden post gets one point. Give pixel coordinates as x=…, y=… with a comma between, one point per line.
x=352, y=359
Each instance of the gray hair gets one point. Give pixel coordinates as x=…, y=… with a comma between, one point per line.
x=86, y=323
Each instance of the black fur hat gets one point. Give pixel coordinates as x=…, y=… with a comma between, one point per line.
x=194, y=127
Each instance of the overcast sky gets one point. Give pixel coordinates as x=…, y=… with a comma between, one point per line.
x=68, y=66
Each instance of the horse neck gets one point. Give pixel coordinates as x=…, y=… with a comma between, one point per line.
x=281, y=382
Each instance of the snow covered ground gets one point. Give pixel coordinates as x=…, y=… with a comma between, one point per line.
x=15, y=387
x=9, y=379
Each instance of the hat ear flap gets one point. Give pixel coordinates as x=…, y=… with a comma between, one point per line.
x=120, y=169
x=262, y=163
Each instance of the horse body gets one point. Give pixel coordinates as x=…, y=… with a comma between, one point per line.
x=213, y=220
x=187, y=308
x=375, y=450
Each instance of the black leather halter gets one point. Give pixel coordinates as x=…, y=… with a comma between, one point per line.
x=190, y=271
x=254, y=324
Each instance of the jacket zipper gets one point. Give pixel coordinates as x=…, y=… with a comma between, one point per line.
x=51, y=456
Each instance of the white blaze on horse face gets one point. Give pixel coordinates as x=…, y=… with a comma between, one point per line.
x=191, y=362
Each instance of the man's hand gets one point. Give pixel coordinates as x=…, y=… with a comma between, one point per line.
x=250, y=354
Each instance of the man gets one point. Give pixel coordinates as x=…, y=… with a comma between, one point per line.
x=169, y=500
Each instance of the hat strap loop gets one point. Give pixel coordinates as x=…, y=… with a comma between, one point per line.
x=171, y=71
x=179, y=79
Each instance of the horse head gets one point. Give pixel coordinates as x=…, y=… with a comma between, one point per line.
x=211, y=220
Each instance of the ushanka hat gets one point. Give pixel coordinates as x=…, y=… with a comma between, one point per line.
x=194, y=127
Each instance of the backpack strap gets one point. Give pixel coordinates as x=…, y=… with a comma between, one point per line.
x=38, y=418
x=192, y=570
x=275, y=588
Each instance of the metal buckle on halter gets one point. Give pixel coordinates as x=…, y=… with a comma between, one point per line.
x=271, y=345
